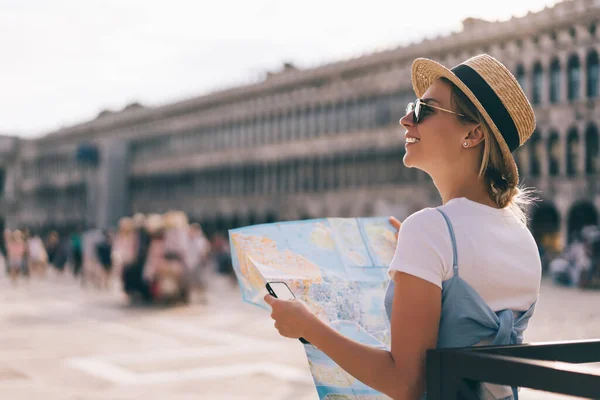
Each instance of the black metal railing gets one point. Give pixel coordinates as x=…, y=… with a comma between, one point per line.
x=549, y=367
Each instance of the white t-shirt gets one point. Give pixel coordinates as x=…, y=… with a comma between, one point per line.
x=497, y=254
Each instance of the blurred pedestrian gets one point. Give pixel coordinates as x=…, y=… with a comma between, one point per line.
x=104, y=254
x=6, y=237
x=199, y=251
x=222, y=254
x=590, y=276
x=38, y=258
x=77, y=251
x=16, y=248
x=133, y=281
x=124, y=246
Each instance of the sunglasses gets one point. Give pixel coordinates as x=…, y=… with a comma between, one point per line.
x=421, y=110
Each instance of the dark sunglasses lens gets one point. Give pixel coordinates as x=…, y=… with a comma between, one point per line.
x=417, y=111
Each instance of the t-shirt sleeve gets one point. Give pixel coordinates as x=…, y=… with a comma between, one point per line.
x=424, y=247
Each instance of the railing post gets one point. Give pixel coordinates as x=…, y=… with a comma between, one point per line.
x=434, y=375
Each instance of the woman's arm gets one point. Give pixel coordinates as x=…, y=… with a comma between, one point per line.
x=399, y=373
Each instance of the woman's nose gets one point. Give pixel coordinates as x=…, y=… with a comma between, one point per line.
x=407, y=120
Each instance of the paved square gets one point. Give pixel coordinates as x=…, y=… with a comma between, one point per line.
x=60, y=341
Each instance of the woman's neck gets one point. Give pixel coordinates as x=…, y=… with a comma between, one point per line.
x=471, y=187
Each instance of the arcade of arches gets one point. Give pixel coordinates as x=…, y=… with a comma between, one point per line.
x=578, y=155
x=547, y=225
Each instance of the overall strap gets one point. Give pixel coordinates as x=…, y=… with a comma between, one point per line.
x=453, y=239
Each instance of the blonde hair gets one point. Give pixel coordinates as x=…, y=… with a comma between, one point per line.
x=503, y=187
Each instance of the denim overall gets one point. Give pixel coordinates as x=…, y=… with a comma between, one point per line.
x=466, y=319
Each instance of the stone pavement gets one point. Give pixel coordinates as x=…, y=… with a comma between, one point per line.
x=59, y=341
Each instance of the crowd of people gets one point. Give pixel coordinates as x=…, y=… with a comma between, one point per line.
x=153, y=256
x=578, y=264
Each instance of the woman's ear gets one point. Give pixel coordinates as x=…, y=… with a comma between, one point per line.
x=475, y=135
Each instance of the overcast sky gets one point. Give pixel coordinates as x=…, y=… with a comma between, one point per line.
x=63, y=61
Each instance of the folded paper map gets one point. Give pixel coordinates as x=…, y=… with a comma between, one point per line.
x=338, y=267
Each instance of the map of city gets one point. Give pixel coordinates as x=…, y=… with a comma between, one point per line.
x=338, y=267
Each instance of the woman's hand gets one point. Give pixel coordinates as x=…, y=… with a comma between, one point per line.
x=293, y=319
x=396, y=223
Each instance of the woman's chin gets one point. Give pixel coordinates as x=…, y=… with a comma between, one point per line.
x=409, y=160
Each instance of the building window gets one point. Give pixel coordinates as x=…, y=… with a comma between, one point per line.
x=318, y=124
x=352, y=111
x=2, y=181
x=342, y=121
x=592, y=74
x=534, y=155
x=574, y=75
x=572, y=152
x=520, y=75
x=555, y=81
x=331, y=123
x=553, y=155
x=282, y=132
x=305, y=123
x=592, y=29
x=383, y=114
x=538, y=81
x=592, y=150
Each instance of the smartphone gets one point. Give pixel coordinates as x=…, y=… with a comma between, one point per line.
x=282, y=291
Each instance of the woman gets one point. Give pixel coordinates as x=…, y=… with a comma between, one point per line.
x=17, y=250
x=38, y=259
x=125, y=245
x=468, y=272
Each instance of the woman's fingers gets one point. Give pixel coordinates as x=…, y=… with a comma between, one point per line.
x=396, y=224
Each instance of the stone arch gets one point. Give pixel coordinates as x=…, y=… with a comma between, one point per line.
x=221, y=224
x=236, y=221
x=592, y=150
x=554, y=154
x=253, y=218
x=305, y=216
x=592, y=73
x=208, y=225
x=346, y=211
x=537, y=83
x=581, y=214
x=271, y=216
x=572, y=152
x=545, y=223
x=573, y=77
x=555, y=78
x=369, y=210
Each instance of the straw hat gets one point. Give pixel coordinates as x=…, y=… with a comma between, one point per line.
x=496, y=94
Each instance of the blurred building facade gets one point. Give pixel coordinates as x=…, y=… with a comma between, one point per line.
x=323, y=141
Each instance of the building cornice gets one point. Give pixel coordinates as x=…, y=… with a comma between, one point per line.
x=475, y=34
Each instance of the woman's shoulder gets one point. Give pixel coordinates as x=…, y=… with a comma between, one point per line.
x=427, y=218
